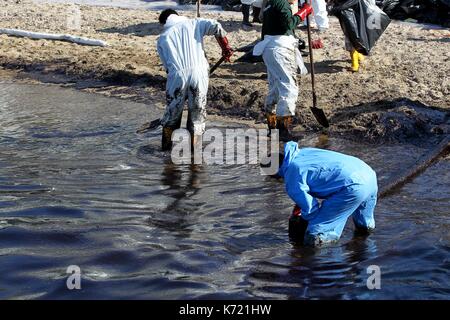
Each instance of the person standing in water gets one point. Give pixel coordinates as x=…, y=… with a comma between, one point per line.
x=180, y=47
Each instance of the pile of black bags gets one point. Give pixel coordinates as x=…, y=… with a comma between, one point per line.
x=427, y=11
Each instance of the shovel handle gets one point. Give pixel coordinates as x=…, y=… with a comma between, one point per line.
x=216, y=65
x=317, y=112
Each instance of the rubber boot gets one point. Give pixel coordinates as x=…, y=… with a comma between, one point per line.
x=255, y=14
x=271, y=122
x=361, y=57
x=167, y=138
x=355, y=60
x=284, y=124
x=246, y=15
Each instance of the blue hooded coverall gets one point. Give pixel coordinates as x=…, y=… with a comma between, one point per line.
x=347, y=185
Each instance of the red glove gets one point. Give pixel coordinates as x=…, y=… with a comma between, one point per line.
x=227, y=52
x=304, y=11
x=297, y=211
x=317, y=44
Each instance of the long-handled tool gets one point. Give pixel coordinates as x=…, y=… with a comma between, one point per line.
x=317, y=112
x=222, y=59
x=216, y=65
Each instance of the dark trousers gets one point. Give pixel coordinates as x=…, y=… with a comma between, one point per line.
x=246, y=13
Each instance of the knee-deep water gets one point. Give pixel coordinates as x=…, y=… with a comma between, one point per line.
x=79, y=187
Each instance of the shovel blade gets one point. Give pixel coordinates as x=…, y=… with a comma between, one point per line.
x=320, y=117
x=149, y=126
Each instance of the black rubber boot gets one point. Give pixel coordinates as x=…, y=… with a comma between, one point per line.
x=167, y=131
x=166, y=143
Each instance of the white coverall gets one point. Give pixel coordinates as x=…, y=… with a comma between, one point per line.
x=254, y=3
x=280, y=54
x=180, y=48
x=320, y=14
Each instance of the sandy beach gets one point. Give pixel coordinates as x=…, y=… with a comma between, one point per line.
x=410, y=63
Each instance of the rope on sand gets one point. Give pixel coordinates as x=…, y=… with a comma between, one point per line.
x=420, y=165
x=51, y=36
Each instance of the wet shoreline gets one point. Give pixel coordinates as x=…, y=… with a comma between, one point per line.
x=79, y=187
x=396, y=121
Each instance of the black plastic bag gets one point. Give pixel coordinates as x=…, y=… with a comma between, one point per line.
x=362, y=22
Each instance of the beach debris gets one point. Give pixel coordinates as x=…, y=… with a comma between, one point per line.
x=423, y=11
x=393, y=121
x=395, y=182
x=52, y=36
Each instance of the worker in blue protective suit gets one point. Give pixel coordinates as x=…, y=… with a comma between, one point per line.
x=347, y=186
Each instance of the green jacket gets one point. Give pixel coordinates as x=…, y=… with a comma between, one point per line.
x=278, y=19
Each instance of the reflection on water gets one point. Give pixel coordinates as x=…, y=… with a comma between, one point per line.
x=79, y=187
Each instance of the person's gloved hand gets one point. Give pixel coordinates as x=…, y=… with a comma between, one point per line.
x=297, y=211
x=227, y=52
x=317, y=44
x=304, y=11
x=297, y=225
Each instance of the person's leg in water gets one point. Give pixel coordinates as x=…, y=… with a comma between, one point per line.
x=197, y=95
x=171, y=120
x=328, y=223
x=363, y=217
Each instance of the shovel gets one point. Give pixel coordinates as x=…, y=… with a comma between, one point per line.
x=148, y=126
x=216, y=65
x=317, y=112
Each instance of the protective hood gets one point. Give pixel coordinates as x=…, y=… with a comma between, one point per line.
x=174, y=19
x=291, y=150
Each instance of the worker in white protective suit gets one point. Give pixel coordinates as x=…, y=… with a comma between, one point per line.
x=320, y=15
x=255, y=5
x=280, y=54
x=180, y=47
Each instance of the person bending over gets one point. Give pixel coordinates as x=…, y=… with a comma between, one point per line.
x=346, y=185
